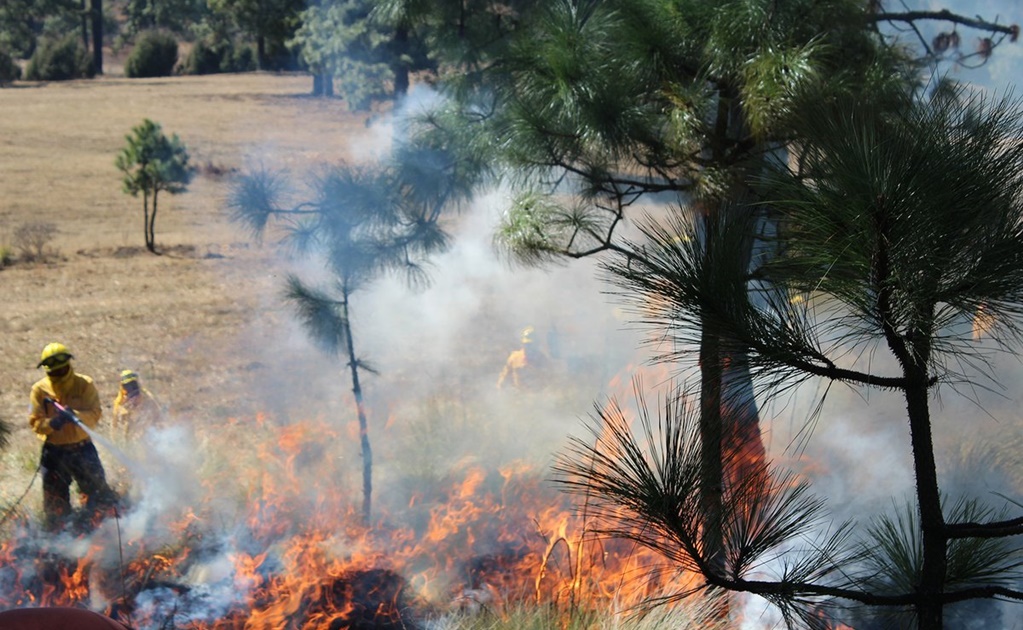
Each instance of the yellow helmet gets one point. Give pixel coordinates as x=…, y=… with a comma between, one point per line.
x=527, y=334
x=55, y=356
x=128, y=376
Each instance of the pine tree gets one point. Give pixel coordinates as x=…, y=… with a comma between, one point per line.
x=593, y=109
x=152, y=162
x=895, y=227
x=362, y=222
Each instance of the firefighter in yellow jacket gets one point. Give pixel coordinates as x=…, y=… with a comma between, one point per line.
x=58, y=402
x=522, y=363
x=134, y=406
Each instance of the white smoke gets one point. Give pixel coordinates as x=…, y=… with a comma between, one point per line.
x=436, y=407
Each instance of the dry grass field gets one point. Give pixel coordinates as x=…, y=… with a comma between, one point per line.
x=247, y=396
x=203, y=323
x=190, y=320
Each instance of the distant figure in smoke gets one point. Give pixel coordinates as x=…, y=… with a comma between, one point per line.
x=134, y=407
x=68, y=452
x=983, y=323
x=522, y=364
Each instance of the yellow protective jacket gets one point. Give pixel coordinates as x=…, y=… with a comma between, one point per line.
x=129, y=413
x=75, y=391
x=516, y=361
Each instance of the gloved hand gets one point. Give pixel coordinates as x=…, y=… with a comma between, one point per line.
x=63, y=418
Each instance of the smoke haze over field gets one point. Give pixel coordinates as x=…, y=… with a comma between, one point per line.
x=435, y=409
x=446, y=344
x=449, y=340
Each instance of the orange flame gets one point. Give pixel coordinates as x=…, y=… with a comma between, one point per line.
x=276, y=536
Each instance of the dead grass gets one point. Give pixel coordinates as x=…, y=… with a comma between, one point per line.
x=204, y=324
x=196, y=320
x=60, y=140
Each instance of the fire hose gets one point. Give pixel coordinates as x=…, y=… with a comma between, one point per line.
x=66, y=413
x=13, y=506
x=70, y=416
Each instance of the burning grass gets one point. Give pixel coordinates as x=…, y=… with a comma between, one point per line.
x=238, y=520
x=234, y=519
x=256, y=525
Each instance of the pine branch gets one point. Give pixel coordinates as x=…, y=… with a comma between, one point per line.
x=791, y=590
x=1011, y=527
x=944, y=15
x=832, y=372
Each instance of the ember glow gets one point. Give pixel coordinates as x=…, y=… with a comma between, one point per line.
x=260, y=530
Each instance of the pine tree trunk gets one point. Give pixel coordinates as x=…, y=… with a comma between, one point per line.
x=743, y=445
x=85, y=24
x=711, y=447
x=145, y=218
x=932, y=523
x=151, y=228
x=97, y=35
x=912, y=349
x=744, y=449
x=730, y=441
x=711, y=423
x=323, y=84
x=367, y=453
x=401, y=69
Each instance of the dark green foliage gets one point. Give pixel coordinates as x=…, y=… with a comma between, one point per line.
x=370, y=47
x=171, y=15
x=60, y=60
x=243, y=59
x=152, y=162
x=363, y=84
x=917, y=218
x=155, y=55
x=9, y=70
x=271, y=23
x=219, y=56
x=338, y=39
x=461, y=37
x=18, y=27
x=24, y=22
x=203, y=59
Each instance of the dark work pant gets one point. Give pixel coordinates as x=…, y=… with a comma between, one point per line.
x=60, y=465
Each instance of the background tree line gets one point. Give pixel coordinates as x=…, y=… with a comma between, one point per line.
x=372, y=47
x=371, y=50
